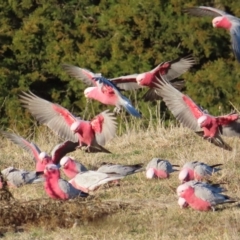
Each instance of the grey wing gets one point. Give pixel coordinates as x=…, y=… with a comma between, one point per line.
x=80, y=167
x=204, y=11
x=68, y=189
x=16, y=178
x=203, y=170
x=235, y=36
x=153, y=163
x=232, y=129
x=151, y=95
x=62, y=149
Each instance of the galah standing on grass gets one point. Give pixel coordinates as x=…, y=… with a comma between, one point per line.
x=221, y=20
x=40, y=158
x=193, y=117
x=159, y=168
x=102, y=89
x=18, y=177
x=202, y=198
x=170, y=70
x=216, y=188
x=58, y=188
x=197, y=171
x=94, y=134
x=71, y=167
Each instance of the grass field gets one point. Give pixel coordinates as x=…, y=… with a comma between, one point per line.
x=151, y=211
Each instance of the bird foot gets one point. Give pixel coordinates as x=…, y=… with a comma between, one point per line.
x=117, y=110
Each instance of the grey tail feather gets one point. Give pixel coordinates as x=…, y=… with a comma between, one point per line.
x=175, y=165
x=97, y=148
x=216, y=165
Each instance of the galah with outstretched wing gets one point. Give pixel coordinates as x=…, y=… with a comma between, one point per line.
x=170, y=70
x=197, y=171
x=193, y=117
x=18, y=177
x=101, y=89
x=221, y=20
x=58, y=188
x=42, y=158
x=202, y=198
x=94, y=134
x=159, y=168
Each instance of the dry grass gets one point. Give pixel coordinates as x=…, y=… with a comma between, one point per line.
x=139, y=208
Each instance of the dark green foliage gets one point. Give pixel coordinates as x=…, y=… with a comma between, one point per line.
x=114, y=38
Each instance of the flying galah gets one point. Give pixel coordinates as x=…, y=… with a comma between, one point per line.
x=159, y=168
x=18, y=177
x=93, y=134
x=40, y=158
x=221, y=20
x=197, y=171
x=193, y=117
x=202, y=198
x=216, y=188
x=91, y=180
x=58, y=188
x=71, y=167
x=102, y=89
x=170, y=70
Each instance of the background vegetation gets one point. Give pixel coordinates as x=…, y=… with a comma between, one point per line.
x=114, y=38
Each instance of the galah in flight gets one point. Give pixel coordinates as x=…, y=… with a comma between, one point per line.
x=197, y=171
x=192, y=116
x=94, y=134
x=71, y=167
x=40, y=158
x=102, y=89
x=202, y=198
x=159, y=168
x=18, y=177
x=58, y=188
x=170, y=70
x=221, y=20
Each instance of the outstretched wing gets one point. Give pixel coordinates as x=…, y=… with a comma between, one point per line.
x=204, y=11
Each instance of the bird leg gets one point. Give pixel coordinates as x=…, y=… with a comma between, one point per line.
x=213, y=208
x=117, y=110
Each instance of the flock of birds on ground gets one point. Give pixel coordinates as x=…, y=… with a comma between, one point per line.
x=91, y=136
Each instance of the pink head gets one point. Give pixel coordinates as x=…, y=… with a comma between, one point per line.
x=221, y=22
x=182, y=202
x=44, y=157
x=150, y=173
x=51, y=169
x=184, y=175
x=201, y=120
x=181, y=190
x=65, y=161
x=88, y=92
x=75, y=126
x=140, y=78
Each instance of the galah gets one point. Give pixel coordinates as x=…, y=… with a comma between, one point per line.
x=94, y=134
x=58, y=188
x=202, y=198
x=71, y=167
x=18, y=177
x=102, y=89
x=91, y=180
x=170, y=70
x=40, y=158
x=197, y=171
x=193, y=117
x=159, y=168
x=221, y=19
x=216, y=188
x=122, y=170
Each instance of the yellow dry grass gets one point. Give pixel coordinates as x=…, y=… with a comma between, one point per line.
x=138, y=208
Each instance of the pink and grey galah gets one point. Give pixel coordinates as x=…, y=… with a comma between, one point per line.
x=102, y=89
x=202, y=198
x=170, y=70
x=58, y=188
x=197, y=171
x=159, y=168
x=19, y=177
x=192, y=116
x=216, y=188
x=40, y=158
x=221, y=20
x=94, y=134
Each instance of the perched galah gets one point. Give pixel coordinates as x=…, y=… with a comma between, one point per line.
x=122, y=170
x=71, y=167
x=94, y=134
x=58, y=188
x=102, y=89
x=197, y=171
x=159, y=168
x=40, y=158
x=170, y=70
x=221, y=20
x=91, y=180
x=202, y=198
x=193, y=117
x=216, y=188
x=18, y=177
